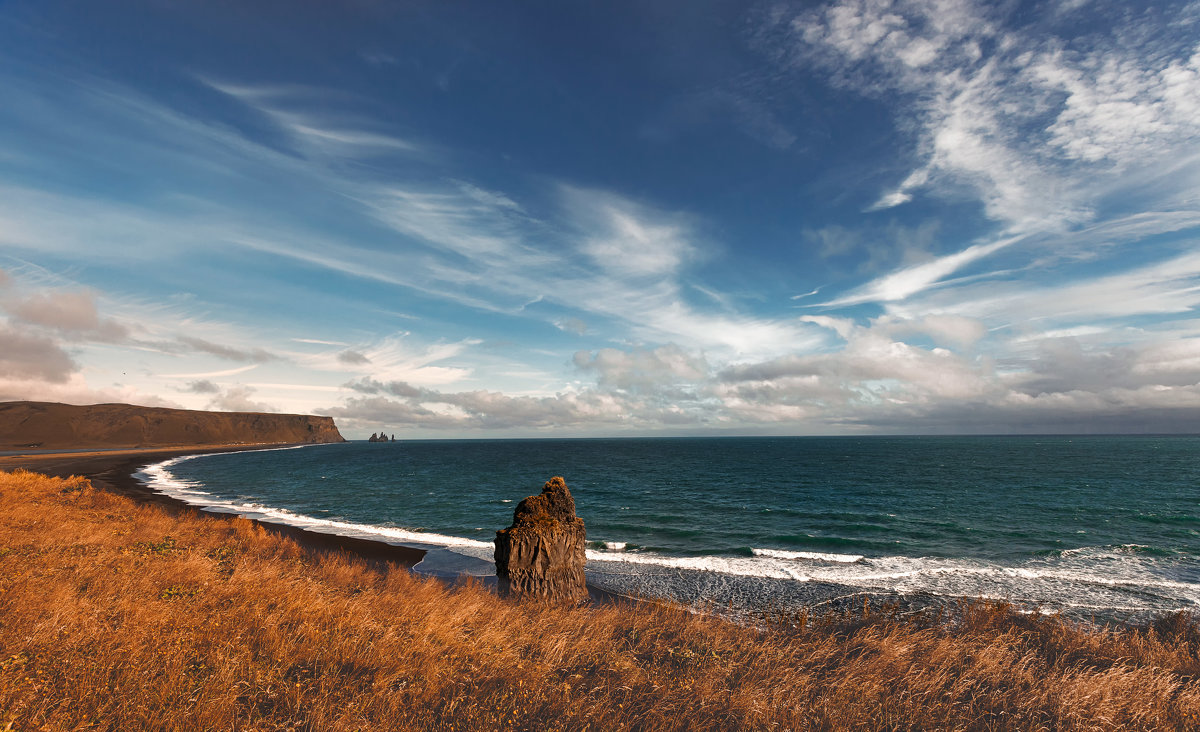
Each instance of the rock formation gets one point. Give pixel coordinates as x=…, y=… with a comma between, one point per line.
x=542, y=554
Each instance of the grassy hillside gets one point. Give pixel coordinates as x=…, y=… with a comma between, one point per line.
x=115, y=615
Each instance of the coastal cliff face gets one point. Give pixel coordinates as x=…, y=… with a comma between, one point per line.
x=542, y=554
x=48, y=425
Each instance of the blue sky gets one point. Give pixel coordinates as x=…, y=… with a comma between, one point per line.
x=575, y=219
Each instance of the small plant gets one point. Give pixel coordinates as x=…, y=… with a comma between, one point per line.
x=177, y=592
x=162, y=548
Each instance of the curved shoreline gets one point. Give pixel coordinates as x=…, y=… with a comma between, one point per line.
x=115, y=471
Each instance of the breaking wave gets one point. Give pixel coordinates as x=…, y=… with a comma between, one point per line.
x=1127, y=577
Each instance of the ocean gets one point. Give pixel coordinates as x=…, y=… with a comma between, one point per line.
x=1087, y=525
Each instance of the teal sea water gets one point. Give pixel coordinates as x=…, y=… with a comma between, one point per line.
x=1089, y=524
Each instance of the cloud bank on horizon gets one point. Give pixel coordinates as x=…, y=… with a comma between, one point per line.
x=860, y=216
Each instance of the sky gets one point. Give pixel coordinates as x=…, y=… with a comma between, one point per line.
x=484, y=219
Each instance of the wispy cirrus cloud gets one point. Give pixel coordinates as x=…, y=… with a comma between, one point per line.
x=482, y=248
x=918, y=278
x=331, y=136
x=1072, y=300
x=598, y=253
x=229, y=353
x=212, y=374
x=1164, y=288
x=1048, y=134
x=627, y=240
x=1010, y=109
x=398, y=357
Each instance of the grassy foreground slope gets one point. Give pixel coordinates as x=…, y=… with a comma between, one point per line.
x=115, y=615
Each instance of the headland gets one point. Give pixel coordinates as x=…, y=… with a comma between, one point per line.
x=50, y=426
x=109, y=443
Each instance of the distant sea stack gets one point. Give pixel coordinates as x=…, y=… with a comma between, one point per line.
x=542, y=554
x=47, y=425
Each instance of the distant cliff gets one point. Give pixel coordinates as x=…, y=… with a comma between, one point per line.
x=49, y=425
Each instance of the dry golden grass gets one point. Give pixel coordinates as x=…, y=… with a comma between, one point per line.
x=115, y=615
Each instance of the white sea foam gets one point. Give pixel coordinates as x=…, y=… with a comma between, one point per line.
x=160, y=478
x=813, y=556
x=736, y=566
x=1119, y=577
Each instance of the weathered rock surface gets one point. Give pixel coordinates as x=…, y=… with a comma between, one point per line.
x=542, y=554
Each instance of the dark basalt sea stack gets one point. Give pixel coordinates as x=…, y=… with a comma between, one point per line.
x=542, y=554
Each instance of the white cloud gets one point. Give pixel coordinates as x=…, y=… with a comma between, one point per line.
x=903, y=193
x=76, y=390
x=238, y=399
x=70, y=313
x=844, y=327
x=572, y=325
x=31, y=356
x=955, y=330
x=1170, y=286
x=469, y=225
x=1012, y=118
x=1119, y=108
x=880, y=382
x=396, y=358
x=223, y=351
x=353, y=358
x=291, y=108
x=642, y=369
x=880, y=377
x=912, y=280
x=629, y=240
x=459, y=242
x=1021, y=121
x=1057, y=139
x=212, y=374
x=202, y=386
x=471, y=410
